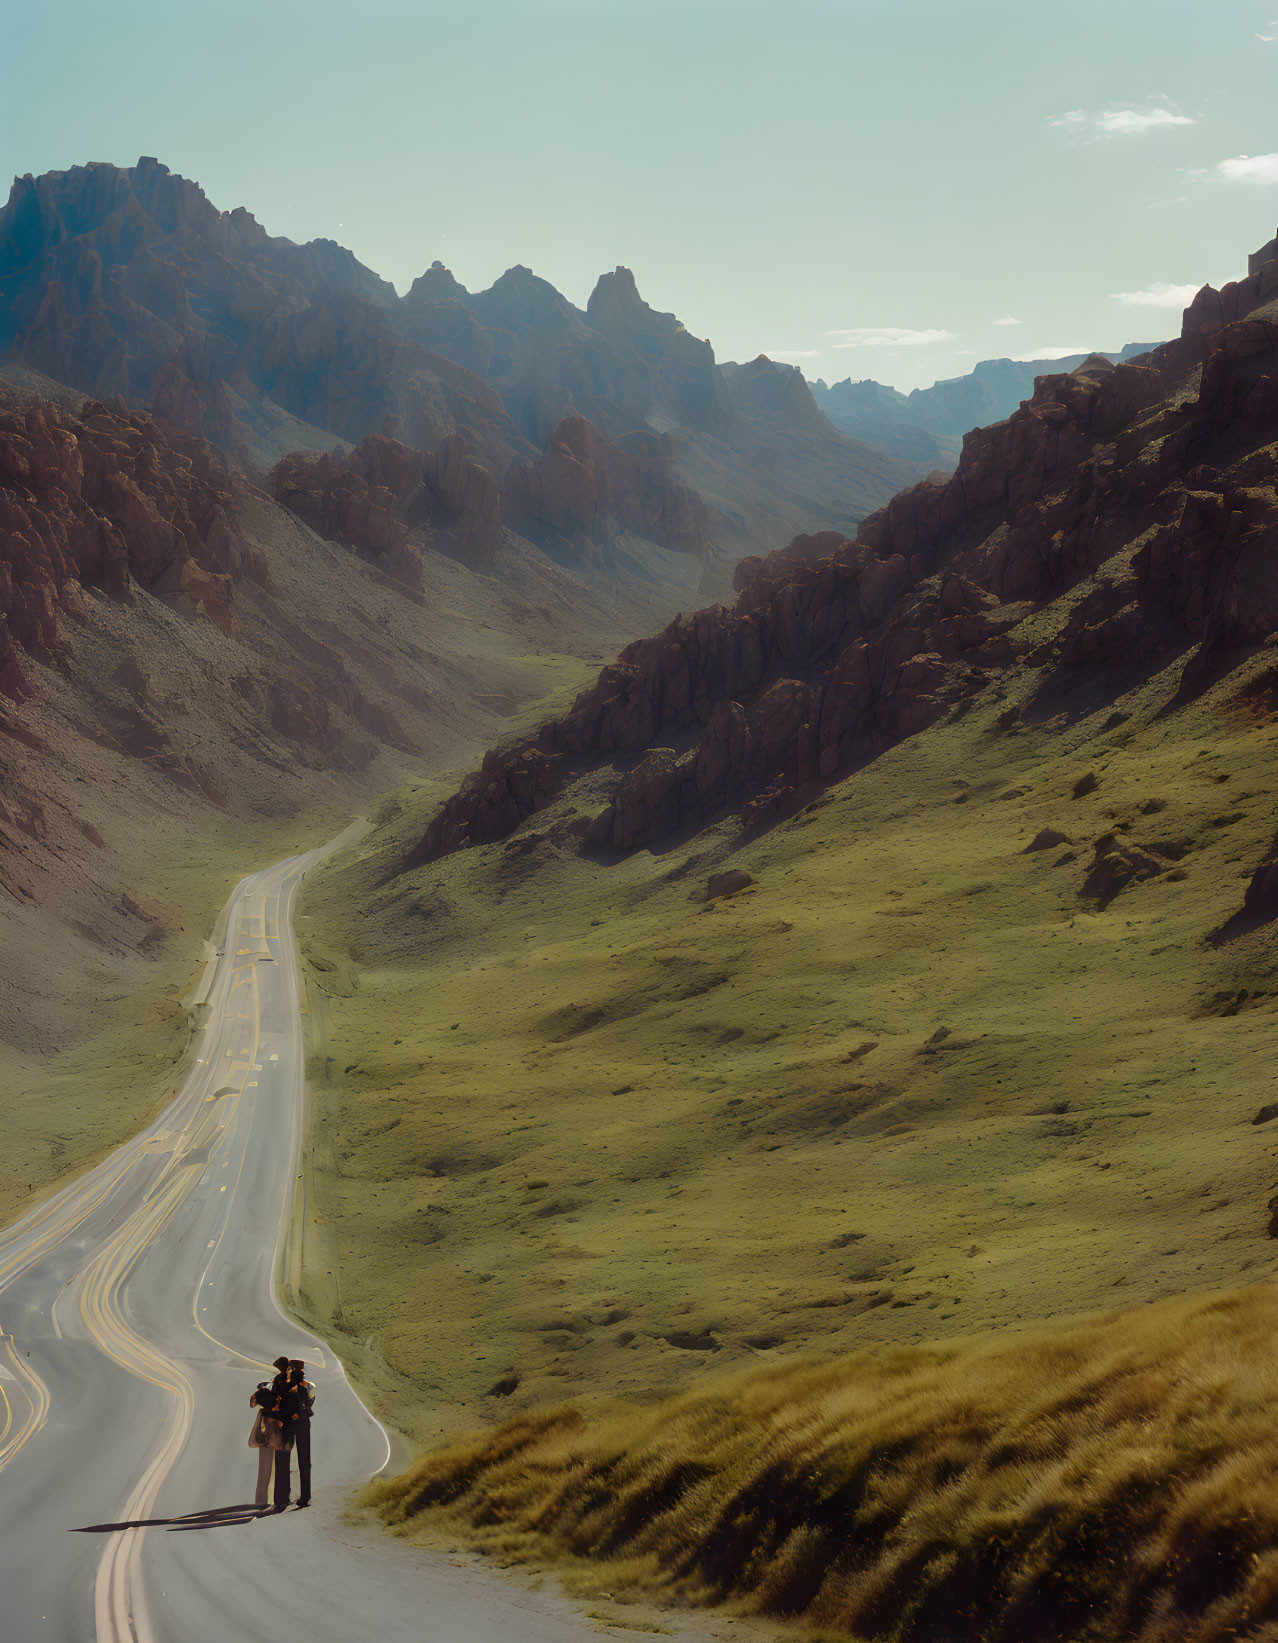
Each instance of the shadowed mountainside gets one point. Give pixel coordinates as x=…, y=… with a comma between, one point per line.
x=749, y=438
x=587, y=503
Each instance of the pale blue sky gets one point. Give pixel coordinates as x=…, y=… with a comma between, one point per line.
x=785, y=177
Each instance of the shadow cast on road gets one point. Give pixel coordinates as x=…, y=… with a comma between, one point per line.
x=217, y=1517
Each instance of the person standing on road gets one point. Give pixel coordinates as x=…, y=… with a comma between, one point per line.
x=285, y=1408
x=266, y=1436
x=305, y=1392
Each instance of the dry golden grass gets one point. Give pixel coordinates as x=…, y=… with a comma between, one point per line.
x=1114, y=1480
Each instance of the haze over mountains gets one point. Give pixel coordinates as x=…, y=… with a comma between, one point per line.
x=161, y=356
x=928, y=424
x=808, y=976
x=130, y=282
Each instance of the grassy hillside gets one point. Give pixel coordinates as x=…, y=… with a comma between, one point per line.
x=1113, y=1480
x=589, y=1135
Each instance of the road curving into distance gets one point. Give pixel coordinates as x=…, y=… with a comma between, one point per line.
x=137, y=1315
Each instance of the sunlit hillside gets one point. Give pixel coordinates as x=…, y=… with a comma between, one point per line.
x=591, y=1133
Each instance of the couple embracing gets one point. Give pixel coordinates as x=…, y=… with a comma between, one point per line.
x=283, y=1421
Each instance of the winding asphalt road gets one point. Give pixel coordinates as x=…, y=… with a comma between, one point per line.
x=138, y=1314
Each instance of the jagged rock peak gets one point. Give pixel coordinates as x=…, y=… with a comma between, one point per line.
x=615, y=307
x=523, y=281
x=520, y=297
x=437, y=284
x=47, y=211
x=769, y=389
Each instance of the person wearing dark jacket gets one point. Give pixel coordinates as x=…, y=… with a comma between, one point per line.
x=285, y=1407
x=305, y=1394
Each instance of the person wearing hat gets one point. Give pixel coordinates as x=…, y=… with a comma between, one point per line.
x=285, y=1406
x=304, y=1391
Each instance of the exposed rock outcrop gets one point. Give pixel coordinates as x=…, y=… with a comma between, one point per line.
x=587, y=488
x=109, y=500
x=385, y=499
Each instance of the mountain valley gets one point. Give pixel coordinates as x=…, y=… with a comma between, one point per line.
x=880, y=966
x=787, y=1021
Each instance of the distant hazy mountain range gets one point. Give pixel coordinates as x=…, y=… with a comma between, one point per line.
x=928, y=424
x=130, y=283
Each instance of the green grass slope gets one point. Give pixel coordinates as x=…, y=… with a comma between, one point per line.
x=586, y=1134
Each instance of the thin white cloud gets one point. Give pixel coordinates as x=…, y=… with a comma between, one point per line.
x=1008, y=319
x=890, y=336
x=1157, y=294
x=968, y=353
x=1056, y=352
x=1125, y=122
x=794, y=353
x=1250, y=168
x=1119, y=122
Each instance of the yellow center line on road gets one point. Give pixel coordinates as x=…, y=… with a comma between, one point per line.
x=38, y=1400
x=119, y=1599
x=56, y=1220
x=66, y=1216
x=234, y=1192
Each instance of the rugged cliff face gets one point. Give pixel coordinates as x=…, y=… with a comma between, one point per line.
x=112, y=501
x=577, y=502
x=1134, y=503
x=131, y=283
x=386, y=501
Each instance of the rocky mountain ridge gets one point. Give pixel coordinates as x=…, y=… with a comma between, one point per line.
x=1146, y=486
x=130, y=283
x=578, y=502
